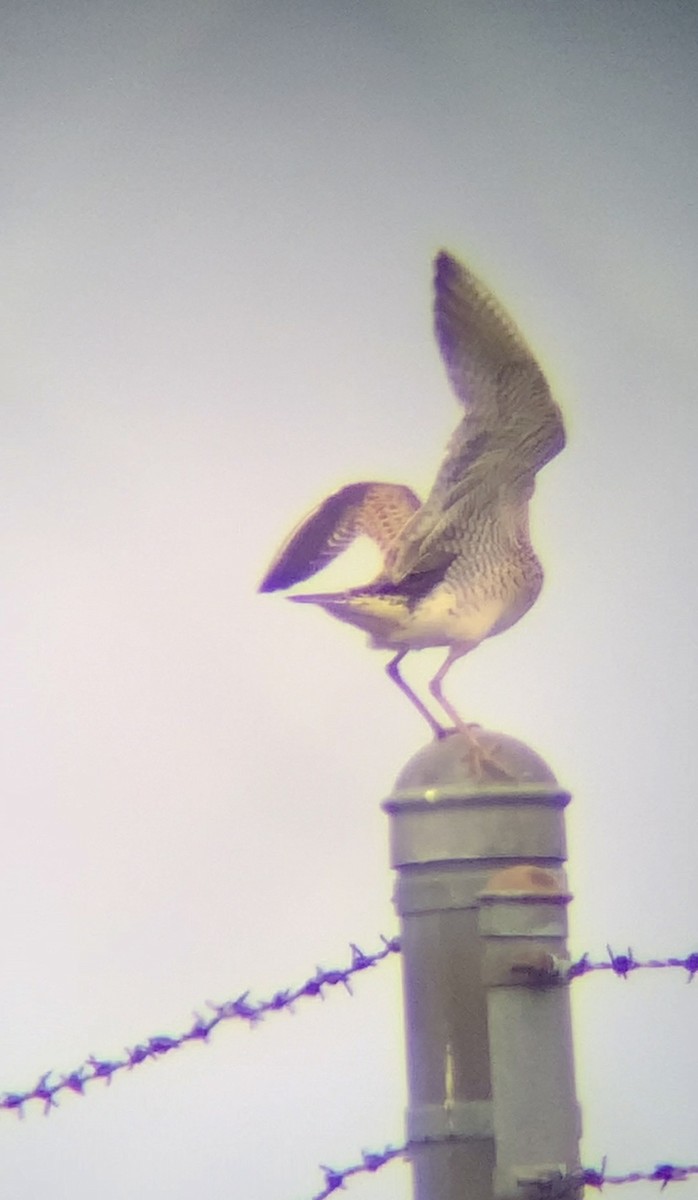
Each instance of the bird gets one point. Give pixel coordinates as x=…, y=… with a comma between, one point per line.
x=460, y=567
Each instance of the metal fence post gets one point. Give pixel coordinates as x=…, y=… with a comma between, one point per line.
x=453, y=822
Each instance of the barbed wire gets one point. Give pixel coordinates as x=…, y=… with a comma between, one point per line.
x=253, y=1011
x=663, y=1174
x=242, y=1008
x=594, y=1177
x=623, y=964
x=371, y=1161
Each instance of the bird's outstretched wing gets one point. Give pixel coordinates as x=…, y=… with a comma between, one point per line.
x=507, y=401
x=475, y=335
x=377, y=510
x=511, y=427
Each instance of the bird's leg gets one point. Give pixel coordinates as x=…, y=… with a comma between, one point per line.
x=392, y=670
x=436, y=684
x=482, y=759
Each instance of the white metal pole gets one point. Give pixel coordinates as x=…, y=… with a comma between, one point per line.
x=455, y=817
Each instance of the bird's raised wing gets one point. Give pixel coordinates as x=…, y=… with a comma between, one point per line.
x=511, y=427
x=492, y=371
x=474, y=333
x=377, y=510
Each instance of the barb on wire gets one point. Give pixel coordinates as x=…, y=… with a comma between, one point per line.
x=49, y=1086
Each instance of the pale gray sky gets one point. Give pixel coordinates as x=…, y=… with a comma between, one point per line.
x=219, y=223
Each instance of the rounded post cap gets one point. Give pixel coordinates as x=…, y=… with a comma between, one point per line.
x=474, y=762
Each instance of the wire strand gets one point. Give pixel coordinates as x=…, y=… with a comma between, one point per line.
x=242, y=1008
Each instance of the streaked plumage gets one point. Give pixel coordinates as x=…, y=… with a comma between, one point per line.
x=460, y=567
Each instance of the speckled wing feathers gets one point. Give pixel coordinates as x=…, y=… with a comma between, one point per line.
x=493, y=373
x=377, y=510
x=511, y=427
x=475, y=335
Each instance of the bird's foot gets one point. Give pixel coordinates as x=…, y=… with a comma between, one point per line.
x=482, y=758
x=440, y=732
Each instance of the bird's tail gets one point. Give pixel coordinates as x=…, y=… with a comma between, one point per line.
x=377, y=510
x=378, y=614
